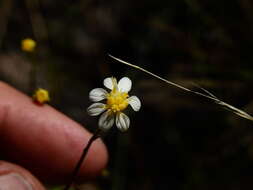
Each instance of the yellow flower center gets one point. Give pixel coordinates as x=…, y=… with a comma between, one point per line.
x=117, y=101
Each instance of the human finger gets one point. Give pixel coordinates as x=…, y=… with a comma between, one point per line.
x=44, y=140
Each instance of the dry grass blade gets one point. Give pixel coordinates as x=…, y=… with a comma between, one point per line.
x=206, y=93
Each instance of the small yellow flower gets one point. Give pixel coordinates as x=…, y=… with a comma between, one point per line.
x=28, y=45
x=116, y=101
x=41, y=96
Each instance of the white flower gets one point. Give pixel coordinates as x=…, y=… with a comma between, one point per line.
x=115, y=102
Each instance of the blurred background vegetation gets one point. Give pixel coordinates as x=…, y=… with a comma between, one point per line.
x=177, y=140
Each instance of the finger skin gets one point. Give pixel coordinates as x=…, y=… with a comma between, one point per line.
x=8, y=169
x=43, y=140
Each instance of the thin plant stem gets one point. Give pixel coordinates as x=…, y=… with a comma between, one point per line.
x=81, y=160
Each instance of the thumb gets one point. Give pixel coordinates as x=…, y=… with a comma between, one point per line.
x=15, y=177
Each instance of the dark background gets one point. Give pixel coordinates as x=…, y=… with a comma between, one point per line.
x=177, y=140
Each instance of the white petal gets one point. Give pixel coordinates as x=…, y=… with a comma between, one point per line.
x=125, y=84
x=97, y=94
x=122, y=122
x=106, y=121
x=135, y=103
x=108, y=83
x=96, y=109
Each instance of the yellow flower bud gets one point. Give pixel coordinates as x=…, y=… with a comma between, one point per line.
x=41, y=96
x=28, y=45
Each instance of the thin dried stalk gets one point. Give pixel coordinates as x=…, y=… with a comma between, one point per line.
x=207, y=94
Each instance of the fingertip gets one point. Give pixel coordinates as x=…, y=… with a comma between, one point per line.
x=15, y=177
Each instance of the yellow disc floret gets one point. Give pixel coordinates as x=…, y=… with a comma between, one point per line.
x=117, y=101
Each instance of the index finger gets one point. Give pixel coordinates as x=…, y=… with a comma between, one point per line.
x=43, y=140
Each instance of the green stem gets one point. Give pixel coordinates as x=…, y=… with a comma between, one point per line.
x=81, y=160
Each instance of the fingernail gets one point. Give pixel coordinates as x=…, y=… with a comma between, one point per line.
x=13, y=181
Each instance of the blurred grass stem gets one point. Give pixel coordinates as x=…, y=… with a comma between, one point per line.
x=5, y=12
x=37, y=20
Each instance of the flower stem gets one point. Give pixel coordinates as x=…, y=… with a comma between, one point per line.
x=81, y=160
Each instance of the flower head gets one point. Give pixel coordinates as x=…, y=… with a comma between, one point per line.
x=28, y=45
x=41, y=96
x=116, y=101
